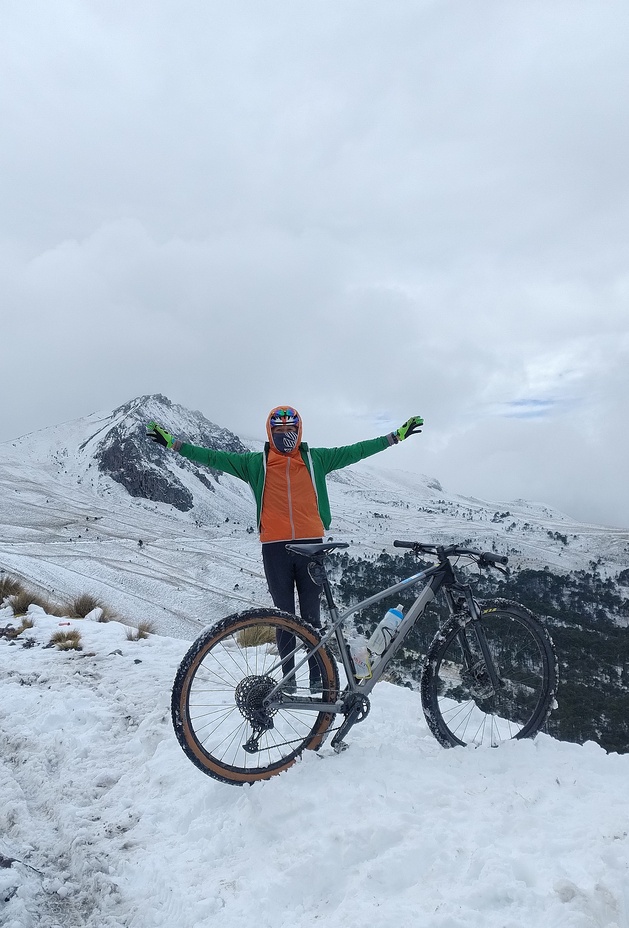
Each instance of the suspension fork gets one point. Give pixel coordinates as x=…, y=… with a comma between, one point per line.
x=476, y=627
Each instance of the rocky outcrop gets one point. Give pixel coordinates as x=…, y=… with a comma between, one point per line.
x=146, y=470
x=120, y=461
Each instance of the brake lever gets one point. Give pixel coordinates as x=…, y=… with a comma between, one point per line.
x=491, y=565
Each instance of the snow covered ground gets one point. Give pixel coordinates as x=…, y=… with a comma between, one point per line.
x=106, y=824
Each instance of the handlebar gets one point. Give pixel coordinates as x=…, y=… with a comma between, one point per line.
x=484, y=558
x=491, y=558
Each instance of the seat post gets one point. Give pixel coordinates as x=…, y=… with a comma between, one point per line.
x=327, y=589
x=317, y=571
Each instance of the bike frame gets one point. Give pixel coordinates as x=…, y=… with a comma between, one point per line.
x=440, y=576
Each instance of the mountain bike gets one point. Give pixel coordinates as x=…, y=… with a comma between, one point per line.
x=242, y=713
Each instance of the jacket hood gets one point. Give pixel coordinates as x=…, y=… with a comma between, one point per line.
x=268, y=426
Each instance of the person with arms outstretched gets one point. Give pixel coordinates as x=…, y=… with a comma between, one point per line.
x=289, y=486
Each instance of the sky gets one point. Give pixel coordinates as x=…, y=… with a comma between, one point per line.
x=366, y=210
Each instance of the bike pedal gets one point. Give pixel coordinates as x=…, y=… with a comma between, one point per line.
x=340, y=746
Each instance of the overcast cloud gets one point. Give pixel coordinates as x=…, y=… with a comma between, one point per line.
x=368, y=210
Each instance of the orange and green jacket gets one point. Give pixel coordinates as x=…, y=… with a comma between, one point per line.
x=254, y=468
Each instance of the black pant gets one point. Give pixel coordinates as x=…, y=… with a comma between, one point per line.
x=284, y=571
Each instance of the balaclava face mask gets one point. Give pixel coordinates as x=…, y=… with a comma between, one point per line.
x=284, y=429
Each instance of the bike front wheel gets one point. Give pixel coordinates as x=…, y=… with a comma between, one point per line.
x=218, y=701
x=489, y=680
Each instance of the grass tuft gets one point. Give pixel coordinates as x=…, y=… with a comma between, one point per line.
x=10, y=631
x=256, y=636
x=84, y=604
x=9, y=586
x=143, y=630
x=67, y=641
x=21, y=601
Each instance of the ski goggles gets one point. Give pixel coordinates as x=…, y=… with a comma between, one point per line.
x=286, y=416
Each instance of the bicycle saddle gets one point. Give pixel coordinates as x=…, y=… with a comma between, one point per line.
x=321, y=547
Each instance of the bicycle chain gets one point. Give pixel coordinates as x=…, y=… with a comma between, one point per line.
x=279, y=744
x=366, y=707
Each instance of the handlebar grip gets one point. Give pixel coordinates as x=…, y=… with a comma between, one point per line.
x=492, y=558
x=404, y=544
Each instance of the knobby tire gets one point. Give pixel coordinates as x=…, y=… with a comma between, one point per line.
x=462, y=705
x=219, y=688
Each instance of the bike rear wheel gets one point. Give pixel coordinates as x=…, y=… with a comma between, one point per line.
x=218, y=709
x=491, y=680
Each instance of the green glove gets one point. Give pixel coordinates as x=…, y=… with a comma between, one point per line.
x=159, y=435
x=410, y=427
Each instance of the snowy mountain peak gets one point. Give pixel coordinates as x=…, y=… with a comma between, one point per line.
x=114, y=446
x=122, y=451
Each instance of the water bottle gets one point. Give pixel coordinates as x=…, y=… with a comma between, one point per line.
x=360, y=655
x=386, y=630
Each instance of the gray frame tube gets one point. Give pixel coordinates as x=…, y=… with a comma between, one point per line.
x=425, y=595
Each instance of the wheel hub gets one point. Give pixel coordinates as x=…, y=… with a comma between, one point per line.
x=479, y=683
